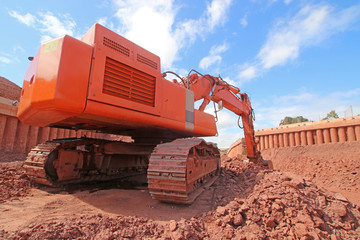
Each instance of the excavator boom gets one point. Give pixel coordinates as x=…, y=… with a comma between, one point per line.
x=210, y=88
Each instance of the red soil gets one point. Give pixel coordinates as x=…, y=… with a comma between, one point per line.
x=9, y=89
x=13, y=180
x=246, y=202
x=334, y=166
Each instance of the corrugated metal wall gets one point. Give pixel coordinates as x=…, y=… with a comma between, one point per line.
x=18, y=137
x=310, y=133
x=303, y=134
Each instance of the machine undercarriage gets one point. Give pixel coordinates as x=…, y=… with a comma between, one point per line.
x=176, y=170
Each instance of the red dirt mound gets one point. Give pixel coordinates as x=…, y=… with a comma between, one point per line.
x=334, y=166
x=94, y=227
x=250, y=202
x=13, y=180
x=284, y=205
x=9, y=89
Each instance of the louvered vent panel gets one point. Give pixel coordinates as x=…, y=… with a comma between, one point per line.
x=126, y=82
x=147, y=61
x=115, y=46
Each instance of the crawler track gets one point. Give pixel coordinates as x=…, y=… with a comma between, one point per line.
x=76, y=165
x=179, y=170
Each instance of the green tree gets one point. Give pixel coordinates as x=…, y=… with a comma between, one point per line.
x=331, y=115
x=289, y=120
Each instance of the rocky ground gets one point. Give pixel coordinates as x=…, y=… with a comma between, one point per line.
x=13, y=180
x=305, y=197
x=246, y=202
x=334, y=166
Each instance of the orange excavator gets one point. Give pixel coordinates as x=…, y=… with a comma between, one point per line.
x=108, y=84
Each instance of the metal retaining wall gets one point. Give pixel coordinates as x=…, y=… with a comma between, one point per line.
x=309, y=133
x=18, y=137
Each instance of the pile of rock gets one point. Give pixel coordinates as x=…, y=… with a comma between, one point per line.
x=13, y=181
x=92, y=227
x=334, y=166
x=250, y=202
x=285, y=205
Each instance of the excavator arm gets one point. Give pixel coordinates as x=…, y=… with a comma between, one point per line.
x=210, y=88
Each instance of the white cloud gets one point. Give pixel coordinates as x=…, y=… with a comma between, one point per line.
x=102, y=21
x=27, y=19
x=216, y=12
x=207, y=61
x=214, y=56
x=286, y=39
x=45, y=38
x=150, y=24
x=226, y=118
x=309, y=27
x=313, y=106
x=228, y=130
x=7, y=58
x=276, y=55
x=229, y=81
x=304, y=98
x=247, y=73
x=48, y=24
x=51, y=26
x=226, y=138
x=4, y=59
x=287, y=1
x=218, y=49
x=244, y=21
x=18, y=48
x=283, y=43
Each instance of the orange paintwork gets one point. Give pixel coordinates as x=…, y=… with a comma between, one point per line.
x=108, y=44
x=211, y=88
x=59, y=82
x=107, y=83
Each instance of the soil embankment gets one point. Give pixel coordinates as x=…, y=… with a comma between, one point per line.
x=334, y=166
x=9, y=89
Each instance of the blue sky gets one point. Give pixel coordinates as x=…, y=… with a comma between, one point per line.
x=292, y=57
